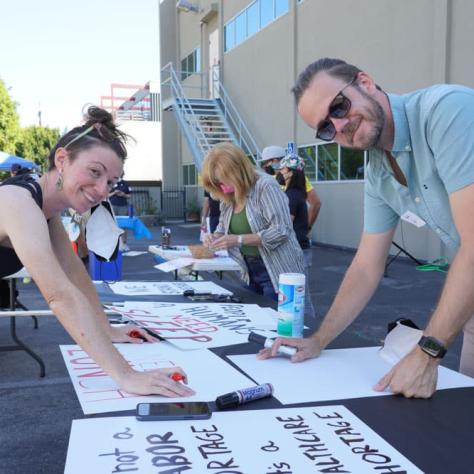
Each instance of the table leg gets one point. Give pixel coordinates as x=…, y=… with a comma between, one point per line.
x=20, y=344
x=18, y=303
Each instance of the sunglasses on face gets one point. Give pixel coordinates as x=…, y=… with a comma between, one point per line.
x=338, y=108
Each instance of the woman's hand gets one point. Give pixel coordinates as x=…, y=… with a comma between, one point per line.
x=130, y=333
x=225, y=242
x=208, y=239
x=156, y=382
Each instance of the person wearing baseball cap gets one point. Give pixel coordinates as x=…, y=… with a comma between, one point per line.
x=271, y=156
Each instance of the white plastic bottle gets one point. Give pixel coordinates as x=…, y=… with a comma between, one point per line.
x=291, y=289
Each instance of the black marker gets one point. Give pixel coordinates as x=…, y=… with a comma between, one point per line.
x=233, y=399
x=195, y=293
x=268, y=343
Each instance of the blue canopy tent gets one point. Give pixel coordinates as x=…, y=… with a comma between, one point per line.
x=6, y=162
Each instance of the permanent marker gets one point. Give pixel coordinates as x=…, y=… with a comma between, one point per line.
x=177, y=377
x=268, y=343
x=233, y=399
x=136, y=335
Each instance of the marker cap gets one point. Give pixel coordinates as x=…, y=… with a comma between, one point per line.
x=258, y=338
x=228, y=400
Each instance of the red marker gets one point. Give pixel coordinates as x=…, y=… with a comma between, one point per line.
x=177, y=377
x=136, y=335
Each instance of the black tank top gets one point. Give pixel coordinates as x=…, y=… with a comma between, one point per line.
x=9, y=261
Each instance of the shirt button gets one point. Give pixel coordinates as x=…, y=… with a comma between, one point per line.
x=438, y=231
x=417, y=199
x=407, y=148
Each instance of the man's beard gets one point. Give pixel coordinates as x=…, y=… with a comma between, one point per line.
x=373, y=113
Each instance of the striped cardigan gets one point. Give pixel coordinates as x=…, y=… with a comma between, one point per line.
x=268, y=214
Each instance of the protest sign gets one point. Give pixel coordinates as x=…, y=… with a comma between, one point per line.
x=142, y=288
x=199, y=325
x=208, y=375
x=328, y=439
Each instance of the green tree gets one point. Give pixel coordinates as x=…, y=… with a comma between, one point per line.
x=35, y=144
x=9, y=122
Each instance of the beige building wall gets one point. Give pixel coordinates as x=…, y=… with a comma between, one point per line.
x=404, y=45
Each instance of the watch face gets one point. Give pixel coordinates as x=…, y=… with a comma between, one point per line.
x=432, y=347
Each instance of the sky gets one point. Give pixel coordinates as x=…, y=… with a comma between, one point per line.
x=64, y=54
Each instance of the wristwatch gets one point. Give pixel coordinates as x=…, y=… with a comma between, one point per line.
x=432, y=347
x=240, y=240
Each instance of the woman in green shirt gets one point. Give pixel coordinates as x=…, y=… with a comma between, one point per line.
x=255, y=224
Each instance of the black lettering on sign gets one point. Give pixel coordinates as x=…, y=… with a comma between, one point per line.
x=126, y=461
x=271, y=447
x=124, y=434
x=215, y=445
x=326, y=417
x=349, y=437
x=167, y=454
x=279, y=466
x=224, y=465
x=312, y=443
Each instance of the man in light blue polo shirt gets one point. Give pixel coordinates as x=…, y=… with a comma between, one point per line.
x=422, y=163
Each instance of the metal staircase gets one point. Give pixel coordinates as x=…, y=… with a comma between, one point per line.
x=205, y=122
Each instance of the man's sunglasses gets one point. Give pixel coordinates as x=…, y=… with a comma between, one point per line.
x=338, y=108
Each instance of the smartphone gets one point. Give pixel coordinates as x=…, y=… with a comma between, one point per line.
x=173, y=411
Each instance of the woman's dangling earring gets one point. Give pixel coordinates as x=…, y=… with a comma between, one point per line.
x=59, y=181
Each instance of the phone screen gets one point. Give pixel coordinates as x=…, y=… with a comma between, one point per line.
x=173, y=411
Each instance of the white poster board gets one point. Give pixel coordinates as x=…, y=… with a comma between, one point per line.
x=337, y=374
x=192, y=326
x=282, y=441
x=208, y=375
x=143, y=288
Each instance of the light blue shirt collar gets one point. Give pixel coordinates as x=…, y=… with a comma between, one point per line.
x=401, y=140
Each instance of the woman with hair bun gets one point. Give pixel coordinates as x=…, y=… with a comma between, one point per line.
x=83, y=166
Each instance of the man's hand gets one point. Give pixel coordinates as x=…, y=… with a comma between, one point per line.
x=156, y=382
x=307, y=348
x=414, y=376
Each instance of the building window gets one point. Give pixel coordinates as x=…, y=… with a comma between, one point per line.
x=241, y=27
x=253, y=19
x=281, y=7
x=229, y=36
x=266, y=12
x=328, y=162
x=352, y=164
x=331, y=162
x=308, y=153
x=249, y=21
x=191, y=64
x=189, y=175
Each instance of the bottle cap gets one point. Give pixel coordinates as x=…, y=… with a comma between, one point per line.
x=292, y=279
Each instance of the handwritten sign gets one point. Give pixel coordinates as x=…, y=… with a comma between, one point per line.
x=208, y=375
x=199, y=325
x=141, y=288
x=327, y=439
